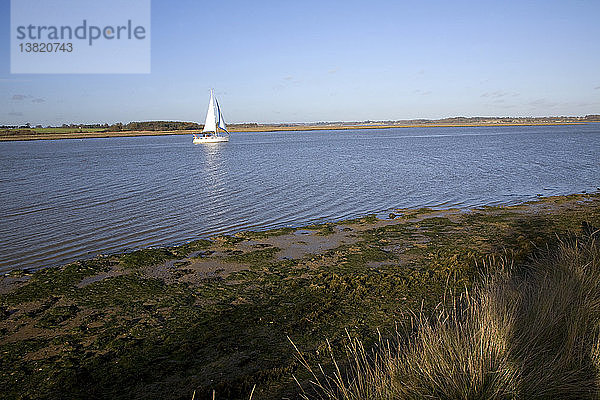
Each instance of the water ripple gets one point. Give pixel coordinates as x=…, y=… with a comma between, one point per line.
x=64, y=200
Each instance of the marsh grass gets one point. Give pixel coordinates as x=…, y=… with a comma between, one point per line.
x=530, y=331
x=255, y=256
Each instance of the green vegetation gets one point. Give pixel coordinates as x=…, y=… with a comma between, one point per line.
x=145, y=258
x=216, y=315
x=256, y=257
x=154, y=256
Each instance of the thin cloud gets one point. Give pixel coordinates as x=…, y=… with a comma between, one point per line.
x=287, y=81
x=504, y=105
x=499, y=94
x=422, y=92
x=542, y=103
x=585, y=103
x=495, y=95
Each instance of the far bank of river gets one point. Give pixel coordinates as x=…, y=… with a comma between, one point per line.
x=262, y=128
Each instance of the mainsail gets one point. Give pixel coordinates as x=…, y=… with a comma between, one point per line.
x=210, y=124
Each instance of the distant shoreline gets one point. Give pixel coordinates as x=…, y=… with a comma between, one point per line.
x=266, y=128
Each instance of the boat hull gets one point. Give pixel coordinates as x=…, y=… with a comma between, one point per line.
x=211, y=139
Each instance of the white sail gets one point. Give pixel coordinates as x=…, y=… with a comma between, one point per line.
x=210, y=123
x=220, y=119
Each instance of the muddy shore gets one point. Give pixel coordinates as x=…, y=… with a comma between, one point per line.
x=216, y=314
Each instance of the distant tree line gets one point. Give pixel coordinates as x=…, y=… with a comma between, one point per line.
x=154, y=126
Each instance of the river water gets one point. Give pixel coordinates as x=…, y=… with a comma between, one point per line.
x=62, y=200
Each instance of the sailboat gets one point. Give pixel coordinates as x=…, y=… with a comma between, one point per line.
x=214, y=122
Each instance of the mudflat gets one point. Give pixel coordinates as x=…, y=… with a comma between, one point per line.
x=216, y=314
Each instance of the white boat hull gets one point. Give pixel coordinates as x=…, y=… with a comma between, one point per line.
x=211, y=139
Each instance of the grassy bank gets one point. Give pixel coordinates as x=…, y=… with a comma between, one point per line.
x=524, y=331
x=216, y=314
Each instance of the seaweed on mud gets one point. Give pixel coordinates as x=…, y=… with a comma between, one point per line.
x=254, y=257
x=57, y=315
x=146, y=258
x=54, y=281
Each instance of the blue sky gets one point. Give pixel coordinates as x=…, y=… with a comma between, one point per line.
x=303, y=61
